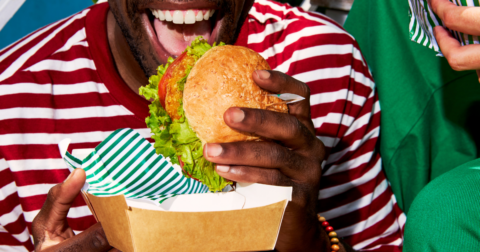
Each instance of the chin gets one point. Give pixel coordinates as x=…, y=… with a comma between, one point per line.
x=157, y=30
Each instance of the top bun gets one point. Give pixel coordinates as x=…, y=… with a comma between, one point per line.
x=222, y=78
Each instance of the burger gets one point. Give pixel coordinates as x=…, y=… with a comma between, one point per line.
x=189, y=97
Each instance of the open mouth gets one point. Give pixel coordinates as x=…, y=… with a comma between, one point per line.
x=171, y=31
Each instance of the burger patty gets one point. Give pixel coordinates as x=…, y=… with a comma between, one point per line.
x=170, y=81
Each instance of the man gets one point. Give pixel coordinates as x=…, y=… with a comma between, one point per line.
x=79, y=78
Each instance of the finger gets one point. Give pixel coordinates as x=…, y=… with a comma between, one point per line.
x=259, y=154
x=249, y=174
x=273, y=125
x=459, y=57
x=478, y=74
x=458, y=18
x=279, y=83
x=60, y=198
x=93, y=239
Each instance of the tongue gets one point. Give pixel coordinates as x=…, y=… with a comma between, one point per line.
x=176, y=37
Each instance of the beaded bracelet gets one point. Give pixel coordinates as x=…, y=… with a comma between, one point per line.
x=332, y=234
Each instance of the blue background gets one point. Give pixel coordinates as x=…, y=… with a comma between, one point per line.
x=34, y=14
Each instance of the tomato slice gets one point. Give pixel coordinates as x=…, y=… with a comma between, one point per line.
x=162, y=85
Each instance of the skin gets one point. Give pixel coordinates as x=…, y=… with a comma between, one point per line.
x=129, y=32
x=293, y=159
x=50, y=228
x=461, y=19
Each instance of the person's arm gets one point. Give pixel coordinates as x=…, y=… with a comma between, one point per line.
x=354, y=194
x=294, y=159
x=462, y=19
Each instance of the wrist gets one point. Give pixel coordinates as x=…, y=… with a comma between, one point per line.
x=321, y=237
x=316, y=238
x=323, y=241
x=332, y=242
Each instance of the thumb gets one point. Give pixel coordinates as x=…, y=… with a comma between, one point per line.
x=278, y=83
x=61, y=197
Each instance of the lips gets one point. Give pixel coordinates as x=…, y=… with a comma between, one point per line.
x=171, y=31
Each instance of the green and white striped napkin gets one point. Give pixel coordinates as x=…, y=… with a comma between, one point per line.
x=125, y=163
x=423, y=19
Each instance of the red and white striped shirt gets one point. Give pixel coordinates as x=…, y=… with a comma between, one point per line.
x=60, y=82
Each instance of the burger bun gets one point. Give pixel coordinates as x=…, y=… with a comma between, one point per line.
x=222, y=78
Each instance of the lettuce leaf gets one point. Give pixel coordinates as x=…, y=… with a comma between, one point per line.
x=175, y=139
x=199, y=46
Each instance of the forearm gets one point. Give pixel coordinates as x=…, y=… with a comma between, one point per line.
x=312, y=237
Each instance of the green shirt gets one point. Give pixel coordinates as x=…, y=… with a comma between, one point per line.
x=428, y=110
x=445, y=215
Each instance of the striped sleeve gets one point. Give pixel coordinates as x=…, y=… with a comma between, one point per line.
x=355, y=196
x=14, y=234
x=51, y=89
x=35, y=84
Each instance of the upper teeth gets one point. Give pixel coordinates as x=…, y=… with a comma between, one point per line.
x=182, y=16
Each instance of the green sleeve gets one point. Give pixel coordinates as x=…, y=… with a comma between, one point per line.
x=445, y=216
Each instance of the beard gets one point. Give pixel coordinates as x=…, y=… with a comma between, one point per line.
x=129, y=19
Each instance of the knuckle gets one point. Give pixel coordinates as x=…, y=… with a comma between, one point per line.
x=260, y=117
x=256, y=150
x=308, y=137
x=293, y=162
x=53, y=193
x=306, y=90
x=273, y=178
x=283, y=78
x=449, y=17
x=454, y=62
x=294, y=128
x=302, y=88
x=279, y=156
x=98, y=239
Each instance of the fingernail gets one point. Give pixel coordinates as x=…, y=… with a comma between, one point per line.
x=70, y=175
x=223, y=168
x=214, y=150
x=237, y=115
x=263, y=74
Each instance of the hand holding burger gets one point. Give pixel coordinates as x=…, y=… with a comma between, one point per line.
x=190, y=95
x=292, y=158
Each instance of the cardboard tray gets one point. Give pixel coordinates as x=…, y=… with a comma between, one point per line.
x=248, y=219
